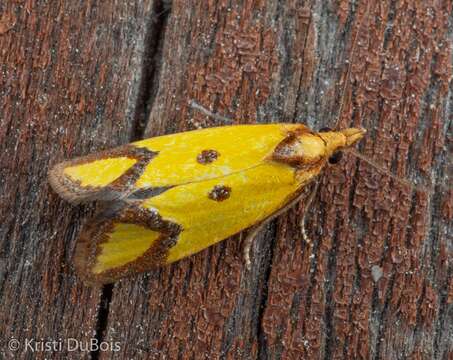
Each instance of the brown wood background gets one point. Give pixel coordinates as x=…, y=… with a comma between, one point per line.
x=82, y=76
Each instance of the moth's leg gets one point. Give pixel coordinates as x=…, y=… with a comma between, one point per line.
x=251, y=235
x=307, y=208
x=194, y=105
x=253, y=231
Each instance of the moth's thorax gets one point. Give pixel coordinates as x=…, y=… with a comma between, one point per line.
x=300, y=150
x=306, y=149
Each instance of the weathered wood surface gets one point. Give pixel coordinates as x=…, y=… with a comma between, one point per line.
x=69, y=84
x=377, y=281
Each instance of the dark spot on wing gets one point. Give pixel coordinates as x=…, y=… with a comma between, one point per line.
x=207, y=156
x=220, y=193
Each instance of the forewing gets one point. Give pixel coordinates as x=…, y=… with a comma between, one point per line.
x=145, y=168
x=209, y=153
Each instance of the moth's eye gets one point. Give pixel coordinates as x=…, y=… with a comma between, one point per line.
x=325, y=129
x=336, y=157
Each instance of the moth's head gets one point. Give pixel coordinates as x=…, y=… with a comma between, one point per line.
x=336, y=141
x=307, y=149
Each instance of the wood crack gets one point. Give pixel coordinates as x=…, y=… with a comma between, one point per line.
x=102, y=319
x=260, y=334
x=151, y=65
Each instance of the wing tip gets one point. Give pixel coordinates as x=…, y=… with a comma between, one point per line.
x=73, y=192
x=99, y=230
x=86, y=253
x=62, y=185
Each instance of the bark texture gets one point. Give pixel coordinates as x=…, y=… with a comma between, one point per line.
x=376, y=280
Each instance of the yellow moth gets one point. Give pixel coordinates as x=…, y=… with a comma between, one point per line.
x=171, y=196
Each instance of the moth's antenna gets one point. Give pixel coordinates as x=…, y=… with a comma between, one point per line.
x=378, y=167
x=343, y=99
x=312, y=195
x=348, y=74
x=351, y=59
x=194, y=105
x=307, y=207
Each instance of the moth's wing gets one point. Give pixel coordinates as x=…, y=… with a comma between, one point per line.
x=215, y=209
x=181, y=221
x=122, y=240
x=145, y=167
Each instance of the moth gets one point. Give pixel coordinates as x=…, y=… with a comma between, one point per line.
x=167, y=197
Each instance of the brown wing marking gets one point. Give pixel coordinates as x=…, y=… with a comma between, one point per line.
x=74, y=192
x=99, y=230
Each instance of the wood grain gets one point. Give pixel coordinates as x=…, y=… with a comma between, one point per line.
x=376, y=280
x=259, y=61
x=70, y=78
